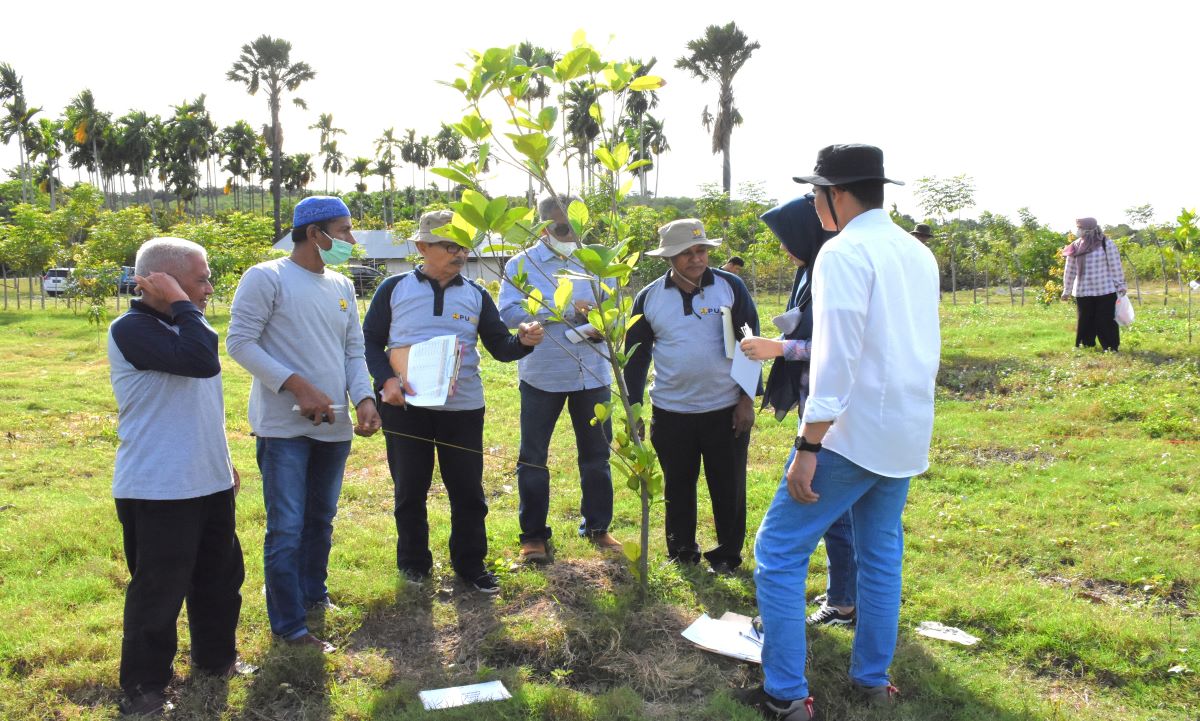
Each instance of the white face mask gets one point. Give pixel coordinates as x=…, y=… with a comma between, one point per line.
x=563, y=248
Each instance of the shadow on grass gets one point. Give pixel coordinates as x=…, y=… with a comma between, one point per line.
x=292, y=683
x=969, y=377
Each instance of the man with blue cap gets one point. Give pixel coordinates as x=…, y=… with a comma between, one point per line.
x=294, y=326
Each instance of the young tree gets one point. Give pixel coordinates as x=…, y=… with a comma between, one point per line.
x=940, y=197
x=493, y=76
x=718, y=56
x=267, y=62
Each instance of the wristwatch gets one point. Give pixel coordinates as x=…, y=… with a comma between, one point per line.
x=803, y=444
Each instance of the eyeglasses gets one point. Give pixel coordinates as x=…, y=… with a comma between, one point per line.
x=451, y=248
x=562, y=230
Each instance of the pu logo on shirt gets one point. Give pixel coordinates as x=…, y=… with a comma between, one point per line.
x=463, y=317
x=342, y=304
x=708, y=311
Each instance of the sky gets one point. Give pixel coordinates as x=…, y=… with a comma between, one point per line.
x=1067, y=108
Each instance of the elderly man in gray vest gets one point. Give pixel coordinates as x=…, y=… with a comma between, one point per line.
x=567, y=369
x=173, y=480
x=700, y=411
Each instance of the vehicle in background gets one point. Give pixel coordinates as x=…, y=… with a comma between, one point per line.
x=56, y=281
x=127, y=284
x=365, y=279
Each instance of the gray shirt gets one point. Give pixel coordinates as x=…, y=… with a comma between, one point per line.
x=556, y=365
x=284, y=320
x=166, y=376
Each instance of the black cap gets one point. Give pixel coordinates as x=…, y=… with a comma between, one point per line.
x=841, y=164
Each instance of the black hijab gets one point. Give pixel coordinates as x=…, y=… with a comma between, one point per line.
x=797, y=226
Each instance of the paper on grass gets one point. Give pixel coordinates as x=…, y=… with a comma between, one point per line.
x=430, y=368
x=734, y=638
x=933, y=629
x=463, y=695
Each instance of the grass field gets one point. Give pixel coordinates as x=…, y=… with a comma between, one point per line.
x=1060, y=522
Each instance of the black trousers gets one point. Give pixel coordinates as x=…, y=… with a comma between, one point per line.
x=1095, y=316
x=410, y=458
x=682, y=441
x=179, y=551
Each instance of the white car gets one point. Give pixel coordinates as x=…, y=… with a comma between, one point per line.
x=55, y=281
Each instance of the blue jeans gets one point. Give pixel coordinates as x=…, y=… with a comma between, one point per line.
x=301, y=479
x=539, y=413
x=787, y=538
x=842, y=584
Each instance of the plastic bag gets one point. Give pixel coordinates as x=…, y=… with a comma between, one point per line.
x=1124, y=312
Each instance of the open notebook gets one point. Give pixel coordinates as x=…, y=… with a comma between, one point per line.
x=430, y=367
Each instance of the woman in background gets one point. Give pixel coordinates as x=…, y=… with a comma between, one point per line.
x=1094, y=275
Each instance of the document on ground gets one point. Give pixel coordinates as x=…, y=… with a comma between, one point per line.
x=430, y=367
x=463, y=695
x=735, y=638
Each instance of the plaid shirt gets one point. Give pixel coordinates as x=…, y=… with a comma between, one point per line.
x=1097, y=273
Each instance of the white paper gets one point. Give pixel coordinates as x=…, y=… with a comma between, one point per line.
x=734, y=638
x=1194, y=284
x=746, y=372
x=580, y=332
x=727, y=326
x=933, y=629
x=463, y=695
x=431, y=370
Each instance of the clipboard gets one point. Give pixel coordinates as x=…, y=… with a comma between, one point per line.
x=430, y=368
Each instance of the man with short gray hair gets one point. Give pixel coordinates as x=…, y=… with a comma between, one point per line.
x=568, y=369
x=173, y=481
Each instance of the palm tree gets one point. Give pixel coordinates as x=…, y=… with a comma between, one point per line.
x=409, y=151
x=448, y=144
x=718, y=56
x=361, y=167
x=386, y=146
x=238, y=144
x=656, y=142
x=329, y=134
x=18, y=124
x=85, y=125
x=46, y=137
x=138, y=135
x=267, y=61
x=581, y=128
x=636, y=107
x=334, y=160
x=536, y=57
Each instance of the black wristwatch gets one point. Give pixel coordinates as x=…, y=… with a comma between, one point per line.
x=803, y=444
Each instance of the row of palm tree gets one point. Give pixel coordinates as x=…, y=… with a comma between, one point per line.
x=177, y=149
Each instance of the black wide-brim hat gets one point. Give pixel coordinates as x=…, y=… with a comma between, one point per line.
x=841, y=164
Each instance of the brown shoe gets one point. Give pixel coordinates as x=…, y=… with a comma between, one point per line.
x=534, y=551
x=606, y=542
x=311, y=641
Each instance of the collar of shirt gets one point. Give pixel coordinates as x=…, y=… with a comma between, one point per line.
x=141, y=307
x=705, y=280
x=456, y=280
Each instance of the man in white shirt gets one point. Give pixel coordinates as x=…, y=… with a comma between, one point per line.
x=866, y=430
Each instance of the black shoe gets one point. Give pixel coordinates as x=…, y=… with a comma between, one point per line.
x=152, y=703
x=722, y=568
x=416, y=578
x=758, y=698
x=830, y=616
x=485, y=582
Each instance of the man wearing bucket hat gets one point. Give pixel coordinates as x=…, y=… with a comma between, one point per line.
x=875, y=355
x=699, y=412
x=434, y=300
x=922, y=232
x=294, y=326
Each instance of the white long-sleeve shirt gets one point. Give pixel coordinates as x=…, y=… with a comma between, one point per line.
x=876, y=346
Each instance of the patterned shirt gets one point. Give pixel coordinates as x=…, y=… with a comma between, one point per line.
x=1097, y=273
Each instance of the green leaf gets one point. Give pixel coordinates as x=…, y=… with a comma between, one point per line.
x=534, y=146
x=533, y=303
x=633, y=552
x=589, y=259
x=474, y=127
x=602, y=411
x=632, y=484
x=624, y=189
x=548, y=117
x=647, y=82
x=494, y=212
x=526, y=123
x=606, y=158
x=621, y=153
x=458, y=234
x=573, y=64
x=562, y=295
x=596, y=112
x=638, y=164
x=502, y=248
x=454, y=175
x=577, y=216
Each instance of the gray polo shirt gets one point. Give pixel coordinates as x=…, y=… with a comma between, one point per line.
x=286, y=319
x=166, y=376
x=556, y=365
x=410, y=308
x=683, y=334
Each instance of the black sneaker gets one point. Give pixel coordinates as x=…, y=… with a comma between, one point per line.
x=486, y=582
x=758, y=698
x=830, y=616
x=147, y=705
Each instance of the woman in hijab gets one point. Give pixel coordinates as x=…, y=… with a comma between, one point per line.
x=1094, y=276
x=799, y=230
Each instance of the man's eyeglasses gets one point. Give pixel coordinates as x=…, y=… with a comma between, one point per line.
x=562, y=230
x=450, y=247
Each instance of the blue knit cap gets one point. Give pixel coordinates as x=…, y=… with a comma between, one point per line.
x=316, y=208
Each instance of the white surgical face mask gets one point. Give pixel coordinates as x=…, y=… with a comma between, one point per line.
x=563, y=248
